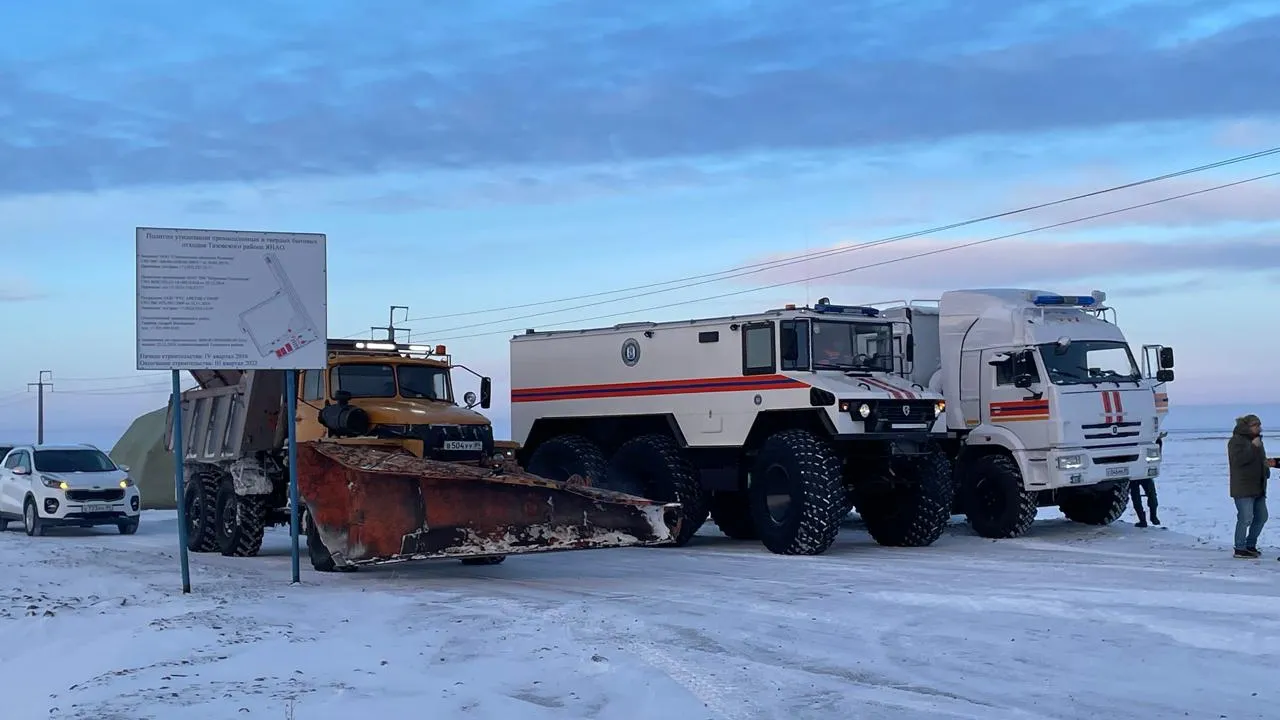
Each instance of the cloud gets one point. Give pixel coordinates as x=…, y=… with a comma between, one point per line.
x=1032, y=261
x=346, y=92
x=17, y=290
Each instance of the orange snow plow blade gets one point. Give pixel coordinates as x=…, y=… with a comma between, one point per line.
x=374, y=502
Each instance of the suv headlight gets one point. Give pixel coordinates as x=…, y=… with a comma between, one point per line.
x=52, y=484
x=1153, y=454
x=1070, y=462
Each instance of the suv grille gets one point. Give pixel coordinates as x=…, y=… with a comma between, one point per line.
x=95, y=495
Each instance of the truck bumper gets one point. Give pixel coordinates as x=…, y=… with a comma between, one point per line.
x=1069, y=468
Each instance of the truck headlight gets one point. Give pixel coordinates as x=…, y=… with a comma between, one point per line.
x=1153, y=454
x=864, y=410
x=1070, y=462
x=939, y=408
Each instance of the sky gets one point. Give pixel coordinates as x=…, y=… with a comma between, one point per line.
x=494, y=155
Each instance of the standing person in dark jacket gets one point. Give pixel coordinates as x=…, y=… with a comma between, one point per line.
x=1148, y=485
x=1250, y=469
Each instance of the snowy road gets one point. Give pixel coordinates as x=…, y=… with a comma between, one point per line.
x=1071, y=622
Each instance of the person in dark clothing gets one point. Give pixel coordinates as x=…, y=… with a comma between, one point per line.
x=1250, y=468
x=1147, y=485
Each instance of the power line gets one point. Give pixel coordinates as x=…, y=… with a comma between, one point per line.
x=739, y=271
x=890, y=261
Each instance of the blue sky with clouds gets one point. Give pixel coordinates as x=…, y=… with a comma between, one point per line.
x=484, y=157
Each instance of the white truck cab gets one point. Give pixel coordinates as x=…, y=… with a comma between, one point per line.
x=1045, y=403
x=777, y=422
x=45, y=486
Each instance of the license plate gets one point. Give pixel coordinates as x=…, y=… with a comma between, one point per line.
x=472, y=445
x=97, y=508
x=1118, y=472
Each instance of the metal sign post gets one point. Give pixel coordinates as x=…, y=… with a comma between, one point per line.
x=179, y=479
x=238, y=310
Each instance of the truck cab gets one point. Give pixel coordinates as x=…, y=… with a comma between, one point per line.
x=1046, y=404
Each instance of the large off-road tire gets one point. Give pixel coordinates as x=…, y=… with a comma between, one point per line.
x=996, y=503
x=1095, y=507
x=564, y=456
x=731, y=512
x=797, y=493
x=915, y=511
x=240, y=522
x=200, y=497
x=319, y=555
x=653, y=466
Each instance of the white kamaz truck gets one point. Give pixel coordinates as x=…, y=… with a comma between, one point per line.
x=1045, y=404
x=776, y=423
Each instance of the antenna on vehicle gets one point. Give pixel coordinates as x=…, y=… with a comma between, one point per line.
x=391, y=323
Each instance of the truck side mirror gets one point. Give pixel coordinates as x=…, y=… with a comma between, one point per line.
x=1166, y=358
x=1164, y=376
x=486, y=392
x=911, y=348
x=1023, y=381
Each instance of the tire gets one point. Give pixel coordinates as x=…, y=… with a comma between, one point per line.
x=484, y=560
x=241, y=521
x=1096, y=507
x=128, y=527
x=319, y=555
x=653, y=467
x=915, y=513
x=731, y=512
x=803, y=471
x=4, y=524
x=996, y=503
x=567, y=455
x=200, y=498
x=31, y=518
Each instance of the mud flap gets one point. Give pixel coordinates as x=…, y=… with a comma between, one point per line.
x=378, y=504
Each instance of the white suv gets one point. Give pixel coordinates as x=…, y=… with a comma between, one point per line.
x=66, y=485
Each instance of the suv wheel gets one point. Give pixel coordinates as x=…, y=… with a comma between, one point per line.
x=31, y=519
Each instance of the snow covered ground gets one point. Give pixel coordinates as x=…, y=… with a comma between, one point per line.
x=1068, y=622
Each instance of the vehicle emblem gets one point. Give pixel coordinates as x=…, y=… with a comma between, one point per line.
x=1115, y=429
x=906, y=410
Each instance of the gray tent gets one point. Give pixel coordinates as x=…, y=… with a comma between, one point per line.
x=150, y=465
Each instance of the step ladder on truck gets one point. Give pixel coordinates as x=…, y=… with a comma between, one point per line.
x=776, y=423
x=390, y=468
x=1045, y=404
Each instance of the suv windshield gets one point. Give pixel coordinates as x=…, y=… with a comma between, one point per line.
x=379, y=381
x=852, y=346
x=1089, y=361
x=69, y=461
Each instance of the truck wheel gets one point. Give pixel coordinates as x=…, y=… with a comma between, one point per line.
x=1095, y=507
x=996, y=503
x=915, y=512
x=567, y=455
x=484, y=560
x=653, y=467
x=731, y=512
x=200, y=496
x=241, y=520
x=797, y=493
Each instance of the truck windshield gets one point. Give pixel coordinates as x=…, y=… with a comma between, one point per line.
x=1089, y=361
x=379, y=381
x=423, y=381
x=852, y=346
x=69, y=461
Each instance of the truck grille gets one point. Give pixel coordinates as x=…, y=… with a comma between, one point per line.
x=95, y=495
x=1107, y=431
x=434, y=438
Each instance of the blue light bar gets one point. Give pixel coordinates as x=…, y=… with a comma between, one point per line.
x=1073, y=300
x=846, y=310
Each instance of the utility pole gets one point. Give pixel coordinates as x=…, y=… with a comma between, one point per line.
x=391, y=322
x=40, y=385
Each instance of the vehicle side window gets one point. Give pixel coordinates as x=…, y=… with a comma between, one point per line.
x=24, y=461
x=313, y=385
x=11, y=462
x=794, y=335
x=1019, y=363
x=758, y=349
